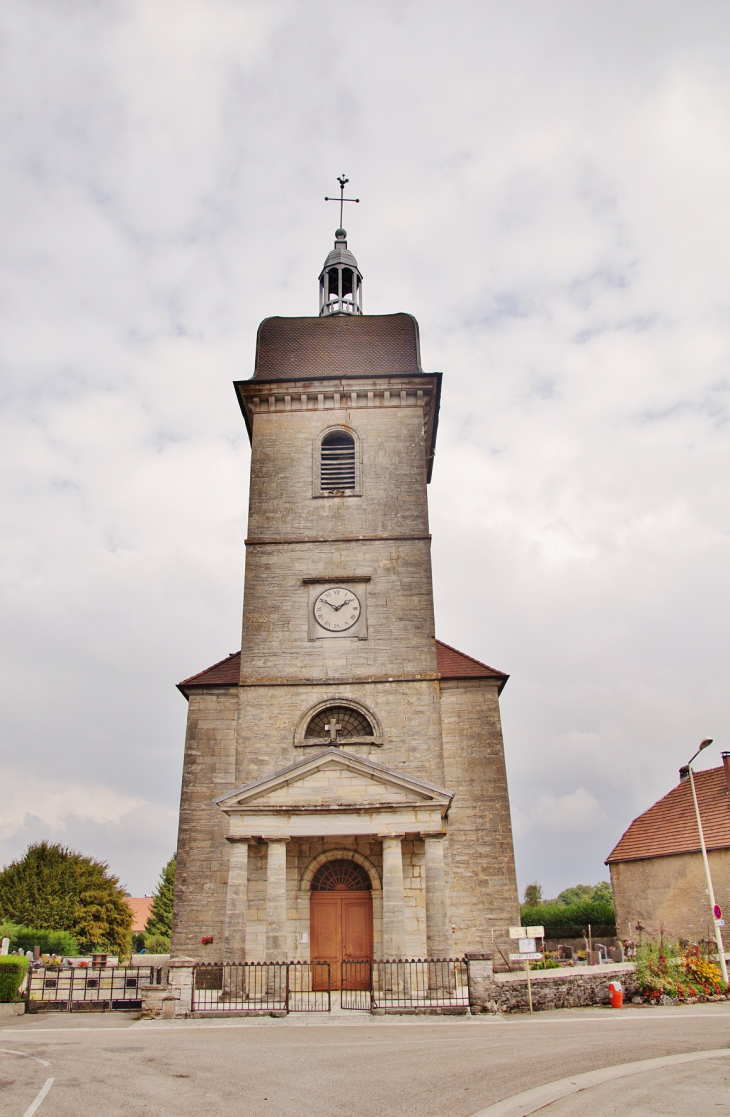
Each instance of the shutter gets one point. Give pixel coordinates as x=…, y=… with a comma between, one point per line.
x=337, y=462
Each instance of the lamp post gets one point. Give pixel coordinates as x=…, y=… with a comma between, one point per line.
x=718, y=937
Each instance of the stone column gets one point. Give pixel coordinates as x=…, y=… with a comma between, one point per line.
x=236, y=901
x=438, y=936
x=276, y=900
x=394, y=924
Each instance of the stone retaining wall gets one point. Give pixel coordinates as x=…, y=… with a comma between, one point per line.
x=574, y=987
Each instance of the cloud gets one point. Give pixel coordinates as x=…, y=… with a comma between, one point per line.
x=545, y=188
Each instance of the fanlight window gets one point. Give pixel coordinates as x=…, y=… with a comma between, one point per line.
x=341, y=876
x=351, y=723
x=337, y=462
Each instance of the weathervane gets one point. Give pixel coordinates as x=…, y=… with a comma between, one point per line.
x=342, y=199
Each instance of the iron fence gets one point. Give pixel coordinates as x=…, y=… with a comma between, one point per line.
x=261, y=987
x=411, y=985
x=88, y=987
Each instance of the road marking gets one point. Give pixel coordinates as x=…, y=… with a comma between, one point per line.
x=38, y=1098
x=529, y=1101
x=24, y=1055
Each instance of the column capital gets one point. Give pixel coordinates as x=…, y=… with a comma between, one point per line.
x=394, y=837
x=269, y=841
x=236, y=838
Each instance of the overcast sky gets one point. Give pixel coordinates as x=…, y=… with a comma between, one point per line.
x=546, y=186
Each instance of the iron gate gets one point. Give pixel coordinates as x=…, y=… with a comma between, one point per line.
x=260, y=988
x=412, y=985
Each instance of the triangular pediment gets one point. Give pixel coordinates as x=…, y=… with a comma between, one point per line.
x=334, y=778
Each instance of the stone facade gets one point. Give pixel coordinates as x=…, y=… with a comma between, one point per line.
x=669, y=894
x=422, y=804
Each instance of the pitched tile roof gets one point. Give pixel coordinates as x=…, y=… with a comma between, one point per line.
x=670, y=826
x=451, y=665
x=457, y=665
x=226, y=672
x=337, y=345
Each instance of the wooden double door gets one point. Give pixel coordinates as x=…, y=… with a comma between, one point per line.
x=341, y=929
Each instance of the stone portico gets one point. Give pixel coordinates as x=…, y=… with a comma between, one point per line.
x=282, y=828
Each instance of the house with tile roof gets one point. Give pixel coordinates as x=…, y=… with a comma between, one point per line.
x=656, y=868
x=344, y=784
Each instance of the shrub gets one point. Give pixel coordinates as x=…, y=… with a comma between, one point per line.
x=13, y=969
x=50, y=942
x=157, y=944
x=570, y=921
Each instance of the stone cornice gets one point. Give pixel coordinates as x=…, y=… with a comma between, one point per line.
x=344, y=393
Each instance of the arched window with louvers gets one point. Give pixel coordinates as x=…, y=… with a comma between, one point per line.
x=337, y=463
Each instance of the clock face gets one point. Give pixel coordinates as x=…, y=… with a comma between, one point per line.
x=336, y=609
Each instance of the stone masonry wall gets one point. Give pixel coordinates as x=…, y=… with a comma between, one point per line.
x=669, y=894
x=201, y=877
x=483, y=883
x=408, y=712
x=551, y=989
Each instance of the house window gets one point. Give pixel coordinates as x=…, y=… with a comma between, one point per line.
x=337, y=471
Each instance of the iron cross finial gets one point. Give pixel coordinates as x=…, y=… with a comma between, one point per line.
x=343, y=181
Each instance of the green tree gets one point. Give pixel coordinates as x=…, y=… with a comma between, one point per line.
x=55, y=888
x=533, y=894
x=578, y=894
x=603, y=892
x=160, y=917
x=586, y=893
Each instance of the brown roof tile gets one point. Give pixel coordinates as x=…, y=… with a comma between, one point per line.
x=226, y=672
x=451, y=665
x=670, y=826
x=337, y=345
x=457, y=665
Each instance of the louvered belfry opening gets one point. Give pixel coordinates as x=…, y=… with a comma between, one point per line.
x=351, y=723
x=337, y=462
x=341, y=875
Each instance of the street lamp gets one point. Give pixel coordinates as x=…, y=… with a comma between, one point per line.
x=718, y=937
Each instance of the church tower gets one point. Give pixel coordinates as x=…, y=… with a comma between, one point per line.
x=344, y=789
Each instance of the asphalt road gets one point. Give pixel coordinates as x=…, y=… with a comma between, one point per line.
x=112, y=1065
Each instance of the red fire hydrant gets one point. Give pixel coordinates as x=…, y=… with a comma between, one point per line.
x=616, y=994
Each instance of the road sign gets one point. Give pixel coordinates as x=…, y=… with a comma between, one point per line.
x=518, y=932
x=717, y=911
x=535, y=932
x=720, y=922
x=526, y=946
x=533, y=956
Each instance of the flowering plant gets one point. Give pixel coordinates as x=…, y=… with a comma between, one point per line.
x=681, y=972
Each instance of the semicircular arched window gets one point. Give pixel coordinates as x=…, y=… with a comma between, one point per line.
x=341, y=875
x=337, y=463
x=349, y=722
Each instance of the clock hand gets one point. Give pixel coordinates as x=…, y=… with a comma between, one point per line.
x=343, y=604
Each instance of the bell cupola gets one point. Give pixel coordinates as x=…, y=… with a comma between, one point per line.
x=340, y=281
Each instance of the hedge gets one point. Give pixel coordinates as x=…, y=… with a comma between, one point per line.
x=570, y=921
x=12, y=971
x=50, y=942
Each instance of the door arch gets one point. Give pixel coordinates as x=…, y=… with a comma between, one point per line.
x=340, y=915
